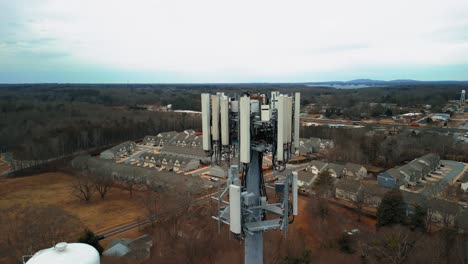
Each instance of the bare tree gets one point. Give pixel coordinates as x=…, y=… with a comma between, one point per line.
x=392, y=245
x=360, y=202
x=83, y=186
x=103, y=183
x=27, y=229
x=151, y=202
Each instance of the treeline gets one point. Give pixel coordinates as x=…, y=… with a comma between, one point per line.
x=42, y=121
x=42, y=132
x=187, y=96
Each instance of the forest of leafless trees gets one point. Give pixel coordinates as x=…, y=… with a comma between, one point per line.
x=361, y=145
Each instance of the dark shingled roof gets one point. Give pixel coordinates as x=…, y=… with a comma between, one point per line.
x=348, y=185
x=194, y=152
x=305, y=176
x=375, y=189
x=353, y=167
x=443, y=205
x=338, y=168
x=318, y=164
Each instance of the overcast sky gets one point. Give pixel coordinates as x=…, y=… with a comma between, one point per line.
x=232, y=41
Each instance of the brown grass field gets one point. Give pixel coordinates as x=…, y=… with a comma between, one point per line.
x=119, y=208
x=54, y=189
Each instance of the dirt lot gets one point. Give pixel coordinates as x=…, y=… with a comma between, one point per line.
x=54, y=189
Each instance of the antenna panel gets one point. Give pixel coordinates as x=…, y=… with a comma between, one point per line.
x=294, y=192
x=244, y=129
x=224, y=105
x=297, y=113
x=281, y=130
x=206, y=116
x=215, y=117
x=235, y=209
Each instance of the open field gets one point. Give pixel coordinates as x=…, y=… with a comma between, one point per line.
x=54, y=189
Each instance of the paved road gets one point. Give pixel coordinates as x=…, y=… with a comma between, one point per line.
x=376, y=125
x=432, y=189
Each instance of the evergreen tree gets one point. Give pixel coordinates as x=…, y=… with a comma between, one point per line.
x=324, y=183
x=88, y=237
x=418, y=221
x=391, y=209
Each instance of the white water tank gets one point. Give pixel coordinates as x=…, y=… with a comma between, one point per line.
x=64, y=253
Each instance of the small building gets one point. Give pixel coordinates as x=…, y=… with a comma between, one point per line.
x=347, y=190
x=442, y=212
x=305, y=179
x=373, y=194
x=313, y=145
x=169, y=162
x=139, y=248
x=336, y=170
x=316, y=166
x=164, y=138
x=411, y=173
x=354, y=171
x=150, y=140
x=119, y=151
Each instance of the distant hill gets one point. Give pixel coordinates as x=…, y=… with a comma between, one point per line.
x=362, y=83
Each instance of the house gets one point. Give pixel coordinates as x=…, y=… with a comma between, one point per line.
x=316, y=166
x=165, y=137
x=391, y=178
x=327, y=143
x=373, y=194
x=313, y=145
x=150, y=140
x=305, y=179
x=354, y=171
x=347, y=189
x=195, y=153
x=411, y=173
x=119, y=151
x=442, y=212
x=169, y=162
x=336, y=170
x=411, y=200
x=139, y=248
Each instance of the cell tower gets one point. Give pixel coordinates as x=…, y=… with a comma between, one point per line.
x=248, y=128
x=463, y=97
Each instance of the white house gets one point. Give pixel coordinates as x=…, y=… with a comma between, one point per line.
x=316, y=166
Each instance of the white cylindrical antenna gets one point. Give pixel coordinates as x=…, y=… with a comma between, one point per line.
x=244, y=129
x=280, y=128
x=206, y=116
x=297, y=113
x=235, y=209
x=294, y=192
x=224, y=105
x=215, y=117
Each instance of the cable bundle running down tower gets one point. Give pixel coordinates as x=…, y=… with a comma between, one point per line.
x=249, y=128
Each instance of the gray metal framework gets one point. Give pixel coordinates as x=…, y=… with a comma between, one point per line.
x=256, y=215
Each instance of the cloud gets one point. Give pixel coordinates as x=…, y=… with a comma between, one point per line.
x=234, y=38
